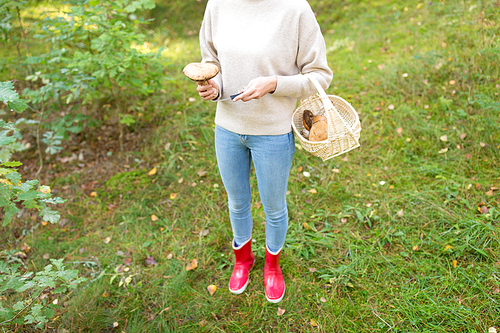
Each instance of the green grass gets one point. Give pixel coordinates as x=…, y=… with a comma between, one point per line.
x=392, y=240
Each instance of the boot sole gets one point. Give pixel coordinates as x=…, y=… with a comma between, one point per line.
x=277, y=300
x=242, y=289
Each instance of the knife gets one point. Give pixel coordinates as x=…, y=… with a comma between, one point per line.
x=228, y=99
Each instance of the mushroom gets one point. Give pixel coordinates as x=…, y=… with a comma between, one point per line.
x=319, y=129
x=200, y=72
x=307, y=117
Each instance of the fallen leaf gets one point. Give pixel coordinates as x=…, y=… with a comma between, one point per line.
x=170, y=256
x=452, y=82
x=448, y=247
x=313, y=191
x=314, y=323
x=211, y=289
x=152, y=171
x=444, y=150
x=312, y=269
x=93, y=194
x=336, y=170
x=401, y=213
x=343, y=220
x=444, y=138
x=345, y=158
x=107, y=240
x=46, y=256
x=204, y=232
x=166, y=309
x=416, y=248
x=202, y=173
x=154, y=218
x=150, y=261
x=105, y=294
x=115, y=324
x=305, y=225
x=306, y=174
x=399, y=130
x=489, y=193
x=483, y=210
x=391, y=107
x=322, y=299
x=281, y=311
x=462, y=136
x=173, y=196
x=44, y=223
x=482, y=144
x=127, y=261
x=300, y=168
x=454, y=263
x=468, y=156
x=192, y=265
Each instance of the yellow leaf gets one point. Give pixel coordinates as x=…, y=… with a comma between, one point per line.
x=448, y=247
x=44, y=223
x=107, y=240
x=306, y=226
x=444, y=138
x=313, y=191
x=173, y=196
x=93, y=194
x=454, y=262
x=192, y=265
x=152, y=172
x=154, y=218
x=416, y=248
x=211, y=289
x=105, y=294
x=314, y=323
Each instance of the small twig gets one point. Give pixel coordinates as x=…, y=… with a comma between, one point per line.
x=27, y=306
x=38, y=143
x=24, y=37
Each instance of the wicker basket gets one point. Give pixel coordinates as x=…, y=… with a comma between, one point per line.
x=343, y=124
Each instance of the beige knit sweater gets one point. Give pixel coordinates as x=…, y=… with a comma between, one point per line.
x=253, y=38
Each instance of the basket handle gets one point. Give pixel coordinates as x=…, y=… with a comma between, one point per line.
x=322, y=94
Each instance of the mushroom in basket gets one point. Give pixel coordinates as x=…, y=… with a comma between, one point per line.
x=315, y=127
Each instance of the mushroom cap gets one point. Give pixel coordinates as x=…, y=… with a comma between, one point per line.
x=197, y=71
x=307, y=119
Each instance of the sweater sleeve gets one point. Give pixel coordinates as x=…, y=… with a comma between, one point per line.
x=311, y=60
x=208, y=51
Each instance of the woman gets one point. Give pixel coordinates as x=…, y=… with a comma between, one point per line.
x=264, y=46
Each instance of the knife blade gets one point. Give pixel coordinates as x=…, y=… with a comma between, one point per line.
x=228, y=99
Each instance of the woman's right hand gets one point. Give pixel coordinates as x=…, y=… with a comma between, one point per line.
x=209, y=91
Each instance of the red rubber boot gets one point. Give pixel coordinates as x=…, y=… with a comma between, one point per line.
x=274, y=285
x=244, y=261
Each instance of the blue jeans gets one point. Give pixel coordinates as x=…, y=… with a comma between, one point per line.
x=272, y=156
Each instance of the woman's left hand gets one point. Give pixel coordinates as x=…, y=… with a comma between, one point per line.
x=257, y=88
